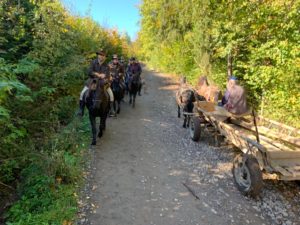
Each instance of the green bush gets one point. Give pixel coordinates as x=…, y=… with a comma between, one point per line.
x=44, y=55
x=197, y=37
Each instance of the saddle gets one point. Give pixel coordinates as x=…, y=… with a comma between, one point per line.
x=94, y=83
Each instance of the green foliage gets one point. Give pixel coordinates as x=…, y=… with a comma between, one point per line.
x=47, y=191
x=44, y=55
x=196, y=37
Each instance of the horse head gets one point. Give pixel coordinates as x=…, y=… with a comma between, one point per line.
x=202, y=81
x=96, y=92
x=135, y=77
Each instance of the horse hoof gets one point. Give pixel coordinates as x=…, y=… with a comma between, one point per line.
x=93, y=142
x=184, y=126
x=118, y=111
x=100, y=134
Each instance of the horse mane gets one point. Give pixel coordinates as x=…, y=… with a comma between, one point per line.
x=203, y=81
x=182, y=80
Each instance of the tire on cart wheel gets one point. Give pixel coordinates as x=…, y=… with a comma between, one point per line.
x=195, y=128
x=247, y=176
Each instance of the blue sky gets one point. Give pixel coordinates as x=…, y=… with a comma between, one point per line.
x=123, y=14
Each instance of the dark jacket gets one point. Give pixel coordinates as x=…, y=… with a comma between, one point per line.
x=96, y=67
x=116, y=69
x=134, y=68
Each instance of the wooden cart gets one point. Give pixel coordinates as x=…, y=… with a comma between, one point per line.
x=267, y=146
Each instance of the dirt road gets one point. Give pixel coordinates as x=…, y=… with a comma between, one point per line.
x=145, y=157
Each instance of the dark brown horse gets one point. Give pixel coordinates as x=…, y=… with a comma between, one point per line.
x=118, y=91
x=185, y=98
x=96, y=100
x=133, y=87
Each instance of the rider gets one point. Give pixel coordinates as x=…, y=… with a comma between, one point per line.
x=116, y=70
x=98, y=69
x=134, y=68
x=122, y=61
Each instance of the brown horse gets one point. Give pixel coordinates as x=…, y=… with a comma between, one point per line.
x=96, y=100
x=211, y=93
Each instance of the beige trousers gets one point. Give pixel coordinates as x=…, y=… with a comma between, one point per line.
x=109, y=92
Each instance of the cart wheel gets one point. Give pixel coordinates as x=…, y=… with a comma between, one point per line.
x=195, y=128
x=247, y=176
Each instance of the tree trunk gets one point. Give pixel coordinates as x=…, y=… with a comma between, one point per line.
x=229, y=65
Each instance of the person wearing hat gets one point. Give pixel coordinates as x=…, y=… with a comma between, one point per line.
x=98, y=69
x=116, y=70
x=123, y=64
x=115, y=67
x=134, y=68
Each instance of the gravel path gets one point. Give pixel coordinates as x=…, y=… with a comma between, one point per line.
x=143, y=165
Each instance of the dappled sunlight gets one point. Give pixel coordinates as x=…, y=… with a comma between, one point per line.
x=164, y=124
x=176, y=173
x=195, y=178
x=222, y=168
x=146, y=120
x=184, y=194
x=169, y=87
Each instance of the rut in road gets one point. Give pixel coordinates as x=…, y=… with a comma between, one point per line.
x=145, y=160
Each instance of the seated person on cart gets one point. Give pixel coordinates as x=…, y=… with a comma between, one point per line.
x=234, y=99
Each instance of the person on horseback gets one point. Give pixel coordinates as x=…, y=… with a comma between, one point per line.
x=98, y=69
x=116, y=70
x=134, y=68
x=122, y=62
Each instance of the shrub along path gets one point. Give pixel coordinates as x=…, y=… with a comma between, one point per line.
x=144, y=158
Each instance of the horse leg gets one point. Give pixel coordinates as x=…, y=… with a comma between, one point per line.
x=101, y=127
x=119, y=106
x=133, y=103
x=190, y=110
x=130, y=97
x=104, y=119
x=188, y=121
x=178, y=111
x=184, y=122
x=114, y=104
x=94, y=130
x=140, y=89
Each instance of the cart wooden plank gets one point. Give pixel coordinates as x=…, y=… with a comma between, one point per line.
x=293, y=171
x=274, y=150
x=283, y=171
x=285, y=139
x=292, y=140
x=293, y=131
x=287, y=162
x=281, y=157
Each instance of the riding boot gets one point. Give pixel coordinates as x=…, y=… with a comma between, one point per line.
x=81, y=108
x=112, y=110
